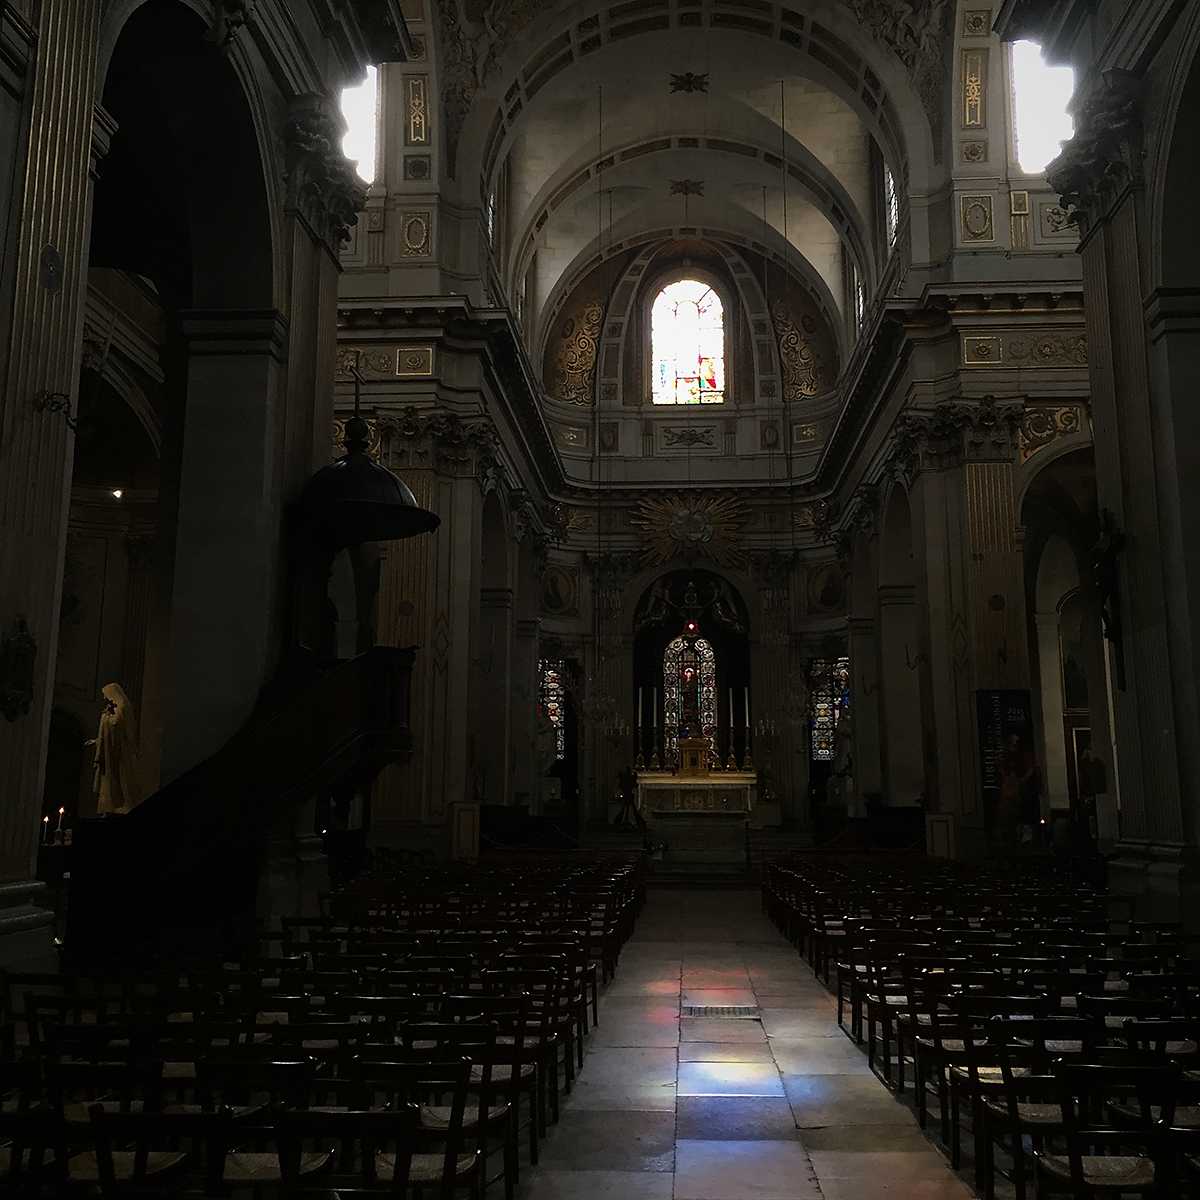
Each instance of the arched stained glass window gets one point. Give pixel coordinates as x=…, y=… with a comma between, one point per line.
x=687, y=334
x=830, y=695
x=689, y=690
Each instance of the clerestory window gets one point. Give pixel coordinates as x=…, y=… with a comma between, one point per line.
x=687, y=336
x=1041, y=97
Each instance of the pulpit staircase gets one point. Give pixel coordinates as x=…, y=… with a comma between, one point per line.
x=187, y=860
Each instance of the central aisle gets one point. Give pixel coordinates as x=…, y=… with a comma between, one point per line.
x=719, y=1108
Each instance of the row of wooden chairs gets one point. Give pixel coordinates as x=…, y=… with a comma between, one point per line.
x=1056, y=1029
x=273, y=1049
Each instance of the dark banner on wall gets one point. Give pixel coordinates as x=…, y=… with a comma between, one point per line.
x=1008, y=765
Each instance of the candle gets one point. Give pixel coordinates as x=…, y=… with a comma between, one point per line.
x=639, y=708
x=45, y=830
x=747, y=708
x=61, y=811
x=654, y=707
x=731, y=710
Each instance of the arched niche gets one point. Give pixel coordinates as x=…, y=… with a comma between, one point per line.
x=665, y=608
x=181, y=200
x=780, y=339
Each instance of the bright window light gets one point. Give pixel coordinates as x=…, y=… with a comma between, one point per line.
x=1040, y=97
x=358, y=107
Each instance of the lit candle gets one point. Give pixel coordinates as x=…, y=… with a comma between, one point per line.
x=61, y=811
x=45, y=830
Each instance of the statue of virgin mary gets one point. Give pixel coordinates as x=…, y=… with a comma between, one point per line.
x=117, y=781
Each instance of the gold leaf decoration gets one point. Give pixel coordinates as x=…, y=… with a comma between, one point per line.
x=574, y=376
x=705, y=523
x=805, y=368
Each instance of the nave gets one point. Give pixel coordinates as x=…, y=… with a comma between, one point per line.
x=782, y=1107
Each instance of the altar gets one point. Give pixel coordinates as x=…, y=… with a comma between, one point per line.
x=665, y=792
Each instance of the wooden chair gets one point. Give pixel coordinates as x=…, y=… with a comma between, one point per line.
x=1089, y=1168
x=143, y=1153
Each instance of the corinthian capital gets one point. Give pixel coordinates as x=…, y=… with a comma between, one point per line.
x=321, y=183
x=1105, y=155
x=439, y=440
x=956, y=430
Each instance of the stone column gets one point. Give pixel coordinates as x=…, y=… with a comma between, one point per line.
x=428, y=597
x=970, y=587
x=48, y=290
x=1144, y=496
x=493, y=707
x=1056, y=792
x=865, y=706
x=900, y=660
x=224, y=638
x=524, y=710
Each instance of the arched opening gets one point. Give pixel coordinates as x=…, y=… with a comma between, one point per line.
x=687, y=337
x=691, y=666
x=181, y=330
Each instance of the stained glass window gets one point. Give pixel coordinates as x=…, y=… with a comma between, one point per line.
x=830, y=697
x=687, y=329
x=689, y=690
x=552, y=701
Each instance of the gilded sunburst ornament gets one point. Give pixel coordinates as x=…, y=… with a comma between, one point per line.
x=704, y=523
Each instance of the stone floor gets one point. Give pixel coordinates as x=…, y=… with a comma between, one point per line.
x=719, y=1108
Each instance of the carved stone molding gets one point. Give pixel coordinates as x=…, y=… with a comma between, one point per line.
x=921, y=36
x=862, y=512
x=321, y=183
x=228, y=17
x=1105, y=155
x=440, y=441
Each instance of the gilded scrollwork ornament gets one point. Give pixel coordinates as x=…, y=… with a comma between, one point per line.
x=805, y=369
x=574, y=379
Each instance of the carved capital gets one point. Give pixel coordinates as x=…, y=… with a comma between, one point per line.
x=955, y=430
x=322, y=185
x=1105, y=155
x=439, y=441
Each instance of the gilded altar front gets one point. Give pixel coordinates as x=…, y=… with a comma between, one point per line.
x=717, y=792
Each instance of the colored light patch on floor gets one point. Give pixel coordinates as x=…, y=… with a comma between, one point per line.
x=729, y=1079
